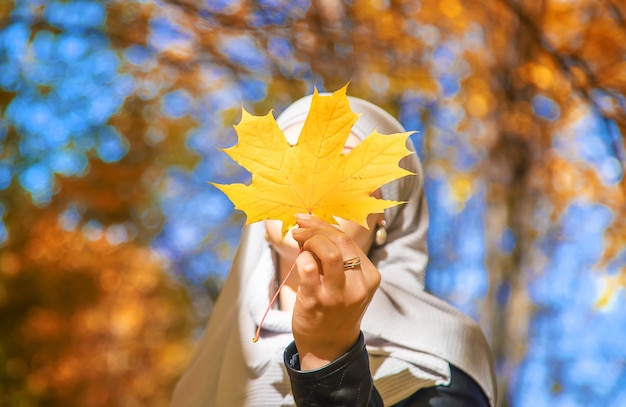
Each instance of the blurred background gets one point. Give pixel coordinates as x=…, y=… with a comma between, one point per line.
x=113, y=246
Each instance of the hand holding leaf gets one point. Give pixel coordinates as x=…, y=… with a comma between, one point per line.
x=313, y=176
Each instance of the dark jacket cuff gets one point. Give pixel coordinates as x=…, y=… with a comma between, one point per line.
x=346, y=381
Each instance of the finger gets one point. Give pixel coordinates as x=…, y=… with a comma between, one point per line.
x=309, y=273
x=309, y=226
x=311, y=222
x=331, y=258
x=371, y=275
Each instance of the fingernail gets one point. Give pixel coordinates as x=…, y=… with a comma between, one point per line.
x=303, y=216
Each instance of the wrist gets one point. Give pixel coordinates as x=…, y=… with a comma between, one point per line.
x=292, y=359
x=310, y=361
x=316, y=356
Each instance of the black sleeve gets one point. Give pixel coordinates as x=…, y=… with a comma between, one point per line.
x=346, y=381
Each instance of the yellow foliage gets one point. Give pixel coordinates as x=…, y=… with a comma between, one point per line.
x=313, y=176
x=462, y=189
x=612, y=285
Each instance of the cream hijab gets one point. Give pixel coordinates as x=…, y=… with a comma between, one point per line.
x=411, y=335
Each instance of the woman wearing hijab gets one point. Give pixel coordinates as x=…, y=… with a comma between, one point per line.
x=392, y=343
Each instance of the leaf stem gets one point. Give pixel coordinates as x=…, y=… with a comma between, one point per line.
x=267, y=310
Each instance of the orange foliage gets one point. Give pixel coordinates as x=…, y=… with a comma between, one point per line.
x=87, y=320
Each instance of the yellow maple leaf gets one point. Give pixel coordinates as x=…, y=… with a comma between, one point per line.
x=314, y=175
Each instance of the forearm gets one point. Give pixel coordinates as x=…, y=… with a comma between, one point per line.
x=346, y=381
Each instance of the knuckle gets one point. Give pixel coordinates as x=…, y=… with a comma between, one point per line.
x=309, y=304
x=362, y=294
x=344, y=239
x=308, y=268
x=332, y=302
x=376, y=279
x=334, y=257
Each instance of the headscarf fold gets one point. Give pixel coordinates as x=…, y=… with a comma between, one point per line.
x=411, y=335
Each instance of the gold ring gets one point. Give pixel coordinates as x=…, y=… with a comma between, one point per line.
x=352, y=263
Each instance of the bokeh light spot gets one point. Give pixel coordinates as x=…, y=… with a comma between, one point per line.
x=176, y=104
x=6, y=175
x=116, y=234
x=92, y=230
x=68, y=162
x=38, y=180
x=546, y=108
x=71, y=47
x=70, y=218
x=111, y=146
x=243, y=50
